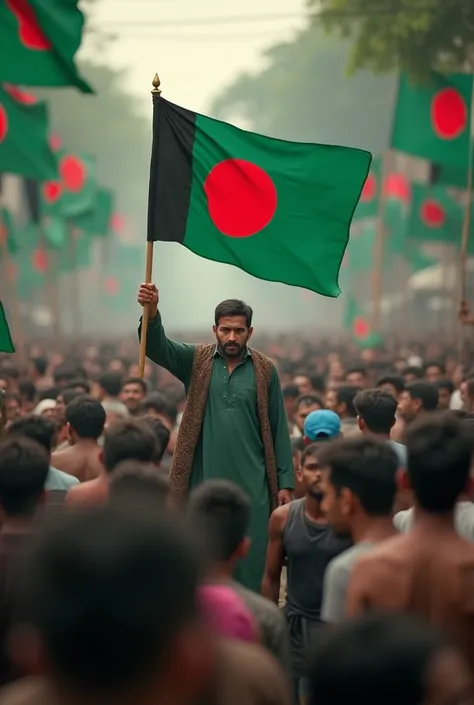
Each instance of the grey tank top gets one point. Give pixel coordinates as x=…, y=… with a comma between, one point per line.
x=308, y=547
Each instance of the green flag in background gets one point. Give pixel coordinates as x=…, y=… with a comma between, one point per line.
x=97, y=221
x=451, y=176
x=433, y=121
x=7, y=232
x=434, y=215
x=278, y=210
x=38, y=42
x=356, y=321
x=32, y=262
x=79, y=255
x=6, y=342
x=368, y=205
x=75, y=191
x=24, y=147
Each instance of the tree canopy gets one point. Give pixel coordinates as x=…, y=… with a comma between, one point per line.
x=413, y=35
x=304, y=94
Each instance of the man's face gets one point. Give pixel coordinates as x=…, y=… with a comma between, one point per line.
x=433, y=373
x=407, y=407
x=302, y=412
x=444, y=398
x=303, y=383
x=132, y=395
x=13, y=409
x=232, y=336
x=387, y=387
x=334, y=505
x=60, y=407
x=332, y=402
x=357, y=379
x=310, y=476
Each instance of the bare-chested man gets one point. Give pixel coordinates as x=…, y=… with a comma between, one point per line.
x=85, y=417
x=430, y=570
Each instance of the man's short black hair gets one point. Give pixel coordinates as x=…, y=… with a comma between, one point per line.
x=40, y=364
x=434, y=363
x=346, y=394
x=221, y=512
x=63, y=374
x=27, y=390
x=377, y=410
x=139, y=381
x=312, y=450
x=439, y=450
x=86, y=416
x=309, y=400
x=413, y=370
x=79, y=383
x=233, y=307
x=157, y=402
x=36, y=428
x=128, y=440
x=395, y=381
x=444, y=384
x=161, y=434
x=140, y=482
x=109, y=590
x=365, y=466
x=24, y=467
x=356, y=370
x=111, y=383
x=374, y=659
x=425, y=392
x=68, y=394
x=290, y=391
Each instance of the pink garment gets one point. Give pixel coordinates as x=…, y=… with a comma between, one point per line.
x=227, y=613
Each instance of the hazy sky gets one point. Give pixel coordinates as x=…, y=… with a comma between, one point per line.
x=196, y=47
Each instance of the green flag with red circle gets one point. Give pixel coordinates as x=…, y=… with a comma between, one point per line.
x=357, y=323
x=279, y=210
x=97, y=221
x=6, y=341
x=74, y=192
x=38, y=43
x=368, y=205
x=433, y=121
x=24, y=147
x=435, y=215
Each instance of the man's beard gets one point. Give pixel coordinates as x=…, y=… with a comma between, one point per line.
x=316, y=494
x=231, y=350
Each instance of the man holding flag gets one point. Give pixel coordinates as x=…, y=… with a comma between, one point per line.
x=234, y=425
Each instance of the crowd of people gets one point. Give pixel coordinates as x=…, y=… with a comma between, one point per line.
x=290, y=523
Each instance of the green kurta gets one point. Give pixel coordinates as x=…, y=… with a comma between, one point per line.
x=230, y=445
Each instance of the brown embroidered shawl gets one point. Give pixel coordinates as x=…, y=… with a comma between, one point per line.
x=191, y=423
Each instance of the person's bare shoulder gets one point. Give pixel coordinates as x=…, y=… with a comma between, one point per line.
x=250, y=674
x=79, y=494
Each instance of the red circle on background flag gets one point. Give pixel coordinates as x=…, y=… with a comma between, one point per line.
x=241, y=198
x=370, y=189
x=111, y=286
x=360, y=327
x=432, y=214
x=19, y=95
x=449, y=114
x=397, y=186
x=117, y=222
x=51, y=191
x=73, y=173
x=40, y=260
x=3, y=233
x=3, y=123
x=55, y=142
x=29, y=31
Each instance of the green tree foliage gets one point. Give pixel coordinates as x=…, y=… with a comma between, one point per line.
x=304, y=94
x=414, y=35
x=108, y=126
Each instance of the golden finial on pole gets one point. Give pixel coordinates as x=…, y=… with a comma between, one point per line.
x=156, y=83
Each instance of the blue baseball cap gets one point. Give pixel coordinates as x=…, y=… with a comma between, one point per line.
x=322, y=424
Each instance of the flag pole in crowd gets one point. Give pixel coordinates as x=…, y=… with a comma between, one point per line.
x=379, y=245
x=156, y=92
x=467, y=212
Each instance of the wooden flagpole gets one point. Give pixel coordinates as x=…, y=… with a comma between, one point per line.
x=156, y=92
x=379, y=245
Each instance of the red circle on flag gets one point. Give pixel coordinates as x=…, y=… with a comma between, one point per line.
x=360, y=327
x=40, y=260
x=111, y=286
x=55, y=142
x=73, y=173
x=433, y=214
x=29, y=31
x=397, y=187
x=117, y=222
x=370, y=189
x=51, y=191
x=19, y=95
x=3, y=123
x=241, y=197
x=449, y=114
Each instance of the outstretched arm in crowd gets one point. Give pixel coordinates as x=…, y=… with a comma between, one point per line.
x=175, y=357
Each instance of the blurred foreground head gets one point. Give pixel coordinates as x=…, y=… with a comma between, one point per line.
x=111, y=599
x=389, y=659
